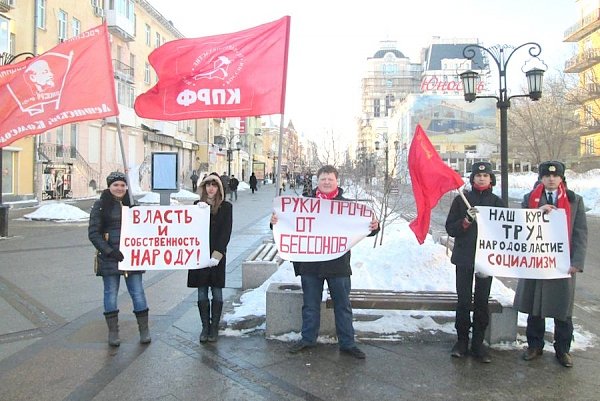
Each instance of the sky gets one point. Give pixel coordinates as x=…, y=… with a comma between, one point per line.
x=331, y=41
x=400, y=264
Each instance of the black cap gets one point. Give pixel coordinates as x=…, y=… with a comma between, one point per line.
x=482, y=167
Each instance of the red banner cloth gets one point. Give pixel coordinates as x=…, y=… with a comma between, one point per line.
x=231, y=75
x=71, y=82
x=431, y=178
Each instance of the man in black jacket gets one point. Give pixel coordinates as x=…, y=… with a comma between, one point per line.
x=462, y=225
x=337, y=273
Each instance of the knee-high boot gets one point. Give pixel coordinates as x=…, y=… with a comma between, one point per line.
x=204, y=309
x=112, y=321
x=216, y=309
x=142, y=321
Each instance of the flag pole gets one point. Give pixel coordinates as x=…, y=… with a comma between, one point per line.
x=464, y=198
x=279, y=153
x=131, y=201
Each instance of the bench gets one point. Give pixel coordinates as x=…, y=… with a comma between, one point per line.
x=260, y=265
x=503, y=319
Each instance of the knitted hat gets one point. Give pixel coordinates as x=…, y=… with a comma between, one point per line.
x=115, y=176
x=482, y=167
x=551, y=167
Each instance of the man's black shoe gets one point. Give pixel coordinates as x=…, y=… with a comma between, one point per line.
x=299, y=346
x=532, y=353
x=354, y=351
x=481, y=354
x=565, y=359
x=460, y=349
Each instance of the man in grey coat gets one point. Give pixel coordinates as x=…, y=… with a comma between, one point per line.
x=553, y=298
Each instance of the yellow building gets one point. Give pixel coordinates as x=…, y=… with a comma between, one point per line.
x=586, y=33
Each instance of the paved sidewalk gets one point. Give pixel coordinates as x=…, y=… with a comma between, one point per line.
x=53, y=339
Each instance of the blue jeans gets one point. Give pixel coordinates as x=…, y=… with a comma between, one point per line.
x=339, y=288
x=217, y=294
x=134, y=286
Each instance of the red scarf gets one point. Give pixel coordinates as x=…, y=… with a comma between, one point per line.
x=482, y=188
x=562, y=202
x=331, y=195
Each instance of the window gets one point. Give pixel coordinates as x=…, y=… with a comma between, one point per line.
x=148, y=35
x=62, y=25
x=147, y=73
x=60, y=141
x=157, y=40
x=41, y=14
x=75, y=27
x=74, y=131
x=389, y=104
x=4, y=36
x=589, y=146
x=376, y=108
x=131, y=65
x=470, y=148
x=125, y=94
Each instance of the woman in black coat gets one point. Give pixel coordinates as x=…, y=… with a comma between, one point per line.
x=213, y=276
x=104, y=231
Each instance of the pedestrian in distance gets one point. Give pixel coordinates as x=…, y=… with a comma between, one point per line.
x=225, y=182
x=253, y=182
x=553, y=298
x=336, y=272
x=213, y=276
x=461, y=224
x=233, y=187
x=194, y=177
x=104, y=231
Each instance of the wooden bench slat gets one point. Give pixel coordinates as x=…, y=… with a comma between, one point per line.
x=408, y=300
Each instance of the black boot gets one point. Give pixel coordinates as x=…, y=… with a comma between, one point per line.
x=216, y=309
x=112, y=321
x=460, y=347
x=478, y=349
x=142, y=321
x=204, y=309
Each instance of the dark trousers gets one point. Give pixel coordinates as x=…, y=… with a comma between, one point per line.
x=464, y=290
x=563, y=333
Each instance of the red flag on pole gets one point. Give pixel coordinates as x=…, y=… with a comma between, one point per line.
x=72, y=82
x=431, y=178
x=231, y=75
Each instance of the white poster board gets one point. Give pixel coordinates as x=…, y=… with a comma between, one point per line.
x=313, y=229
x=165, y=237
x=522, y=243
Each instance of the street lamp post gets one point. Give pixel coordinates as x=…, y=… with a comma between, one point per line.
x=534, y=82
x=6, y=59
x=386, y=151
x=230, y=156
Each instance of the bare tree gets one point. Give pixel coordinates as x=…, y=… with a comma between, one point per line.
x=545, y=129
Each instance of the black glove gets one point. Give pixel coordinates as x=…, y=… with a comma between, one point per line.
x=118, y=255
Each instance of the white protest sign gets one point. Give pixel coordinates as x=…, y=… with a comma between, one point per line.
x=165, y=237
x=522, y=243
x=313, y=229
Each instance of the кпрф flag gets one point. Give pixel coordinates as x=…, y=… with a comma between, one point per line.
x=431, y=178
x=231, y=75
x=72, y=82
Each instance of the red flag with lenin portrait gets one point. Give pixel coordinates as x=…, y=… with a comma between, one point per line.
x=231, y=75
x=72, y=82
x=431, y=178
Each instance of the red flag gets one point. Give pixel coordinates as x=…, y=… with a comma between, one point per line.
x=72, y=82
x=232, y=75
x=431, y=178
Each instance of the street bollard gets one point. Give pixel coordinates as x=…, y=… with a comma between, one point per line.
x=4, y=220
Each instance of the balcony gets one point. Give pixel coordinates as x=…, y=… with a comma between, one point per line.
x=123, y=72
x=588, y=24
x=120, y=25
x=590, y=91
x=583, y=61
x=6, y=5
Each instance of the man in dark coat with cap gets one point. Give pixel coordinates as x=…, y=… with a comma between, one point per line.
x=462, y=225
x=553, y=298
